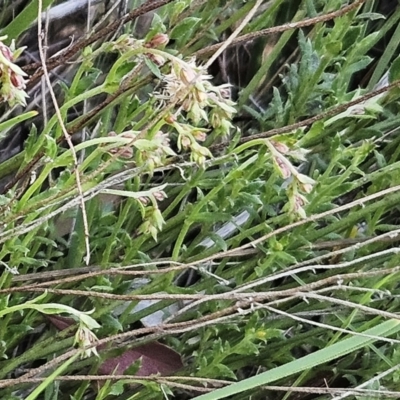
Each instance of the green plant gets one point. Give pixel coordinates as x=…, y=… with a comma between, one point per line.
x=243, y=212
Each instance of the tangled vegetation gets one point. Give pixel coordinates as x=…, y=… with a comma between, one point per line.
x=199, y=199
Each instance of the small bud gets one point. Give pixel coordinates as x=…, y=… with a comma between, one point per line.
x=144, y=200
x=12, y=82
x=283, y=168
x=224, y=127
x=200, y=95
x=150, y=164
x=199, y=136
x=305, y=179
x=157, y=59
x=225, y=93
x=204, y=151
x=299, y=201
x=306, y=187
x=6, y=51
x=185, y=142
x=162, y=138
x=157, y=218
x=129, y=135
x=187, y=76
x=17, y=81
x=187, y=104
x=126, y=152
x=215, y=120
x=170, y=119
x=160, y=196
x=160, y=39
x=281, y=147
x=156, y=160
x=85, y=337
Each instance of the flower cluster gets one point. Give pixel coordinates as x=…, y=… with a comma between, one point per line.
x=200, y=106
x=123, y=44
x=152, y=152
x=188, y=85
x=194, y=104
x=126, y=43
x=188, y=136
x=296, y=183
x=125, y=150
x=159, y=40
x=12, y=82
x=85, y=337
x=152, y=217
x=191, y=107
x=152, y=223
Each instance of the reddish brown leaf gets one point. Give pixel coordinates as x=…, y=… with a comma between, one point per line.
x=61, y=323
x=156, y=358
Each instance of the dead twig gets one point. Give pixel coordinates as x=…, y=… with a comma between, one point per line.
x=62, y=58
x=65, y=132
x=282, y=28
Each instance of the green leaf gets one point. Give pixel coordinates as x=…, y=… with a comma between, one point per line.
x=10, y=123
x=333, y=48
x=394, y=72
x=145, y=145
x=117, y=388
x=23, y=20
x=109, y=321
x=339, y=349
x=245, y=347
x=58, y=371
x=370, y=15
x=222, y=371
x=184, y=29
x=211, y=217
x=86, y=81
x=218, y=241
x=51, y=147
x=176, y=9
x=134, y=195
x=153, y=68
x=4, y=302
